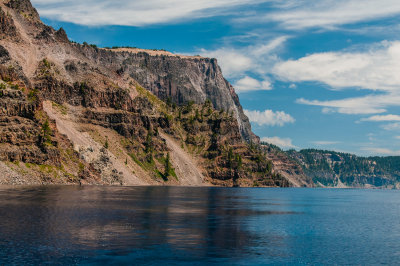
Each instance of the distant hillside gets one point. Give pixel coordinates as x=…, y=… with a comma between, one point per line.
x=336, y=169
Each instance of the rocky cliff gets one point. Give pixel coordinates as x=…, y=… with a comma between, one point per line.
x=74, y=113
x=183, y=79
x=336, y=169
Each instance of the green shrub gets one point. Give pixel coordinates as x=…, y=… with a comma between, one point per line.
x=46, y=63
x=106, y=145
x=32, y=95
x=46, y=131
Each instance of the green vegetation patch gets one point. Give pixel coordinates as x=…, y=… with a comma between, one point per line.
x=60, y=108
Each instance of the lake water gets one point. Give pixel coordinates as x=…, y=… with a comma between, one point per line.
x=198, y=226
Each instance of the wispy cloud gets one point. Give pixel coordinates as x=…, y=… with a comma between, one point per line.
x=269, y=118
x=325, y=142
x=135, y=13
x=376, y=69
x=371, y=104
x=392, y=126
x=382, y=118
x=284, y=143
x=237, y=63
x=290, y=14
x=380, y=151
x=329, y=14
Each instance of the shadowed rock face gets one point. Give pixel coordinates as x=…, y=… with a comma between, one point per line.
x=24, y=7
x=7, y=27
x=4, y=55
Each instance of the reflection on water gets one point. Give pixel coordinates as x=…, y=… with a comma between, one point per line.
x=158, y=225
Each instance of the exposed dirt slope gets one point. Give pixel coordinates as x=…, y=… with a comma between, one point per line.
x=185, y=165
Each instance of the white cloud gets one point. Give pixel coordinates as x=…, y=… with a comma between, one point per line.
x=232, y=62
x=268, y=48
x=370, y=104
x=392, y=127
x=249, y=84
x=397, y=137
x=376, y=69
x=330, y=14
x=284, y=143
x=238, y=63
x=380, y=151
x=269, y=118
x=325, y=142
x=382, y=118
x=371, y=137
x=258, y=59
x=290, y=14
x=134, y=13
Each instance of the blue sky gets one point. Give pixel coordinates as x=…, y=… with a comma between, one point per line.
x=310, y=74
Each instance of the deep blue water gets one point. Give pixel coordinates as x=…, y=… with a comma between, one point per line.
x=198, y=226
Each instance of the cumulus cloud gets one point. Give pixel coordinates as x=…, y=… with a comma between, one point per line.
x=284, y=143
x=269, y=118
x=134, y=13
x=249, y=84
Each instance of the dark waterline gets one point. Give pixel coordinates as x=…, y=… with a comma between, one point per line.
x=180, y=226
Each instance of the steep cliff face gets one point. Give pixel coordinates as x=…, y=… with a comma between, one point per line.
x=184, y=79
x=124, y=116
x=179, y=78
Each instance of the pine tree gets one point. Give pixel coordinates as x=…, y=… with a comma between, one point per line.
x=46, y=131
x=239, y=162
x=167, y=166
x=149, y=142
x=179, y=114
x=106, y=144
x=230, y=158
x=197, y=116
x=149, y=146
x=169, y=101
